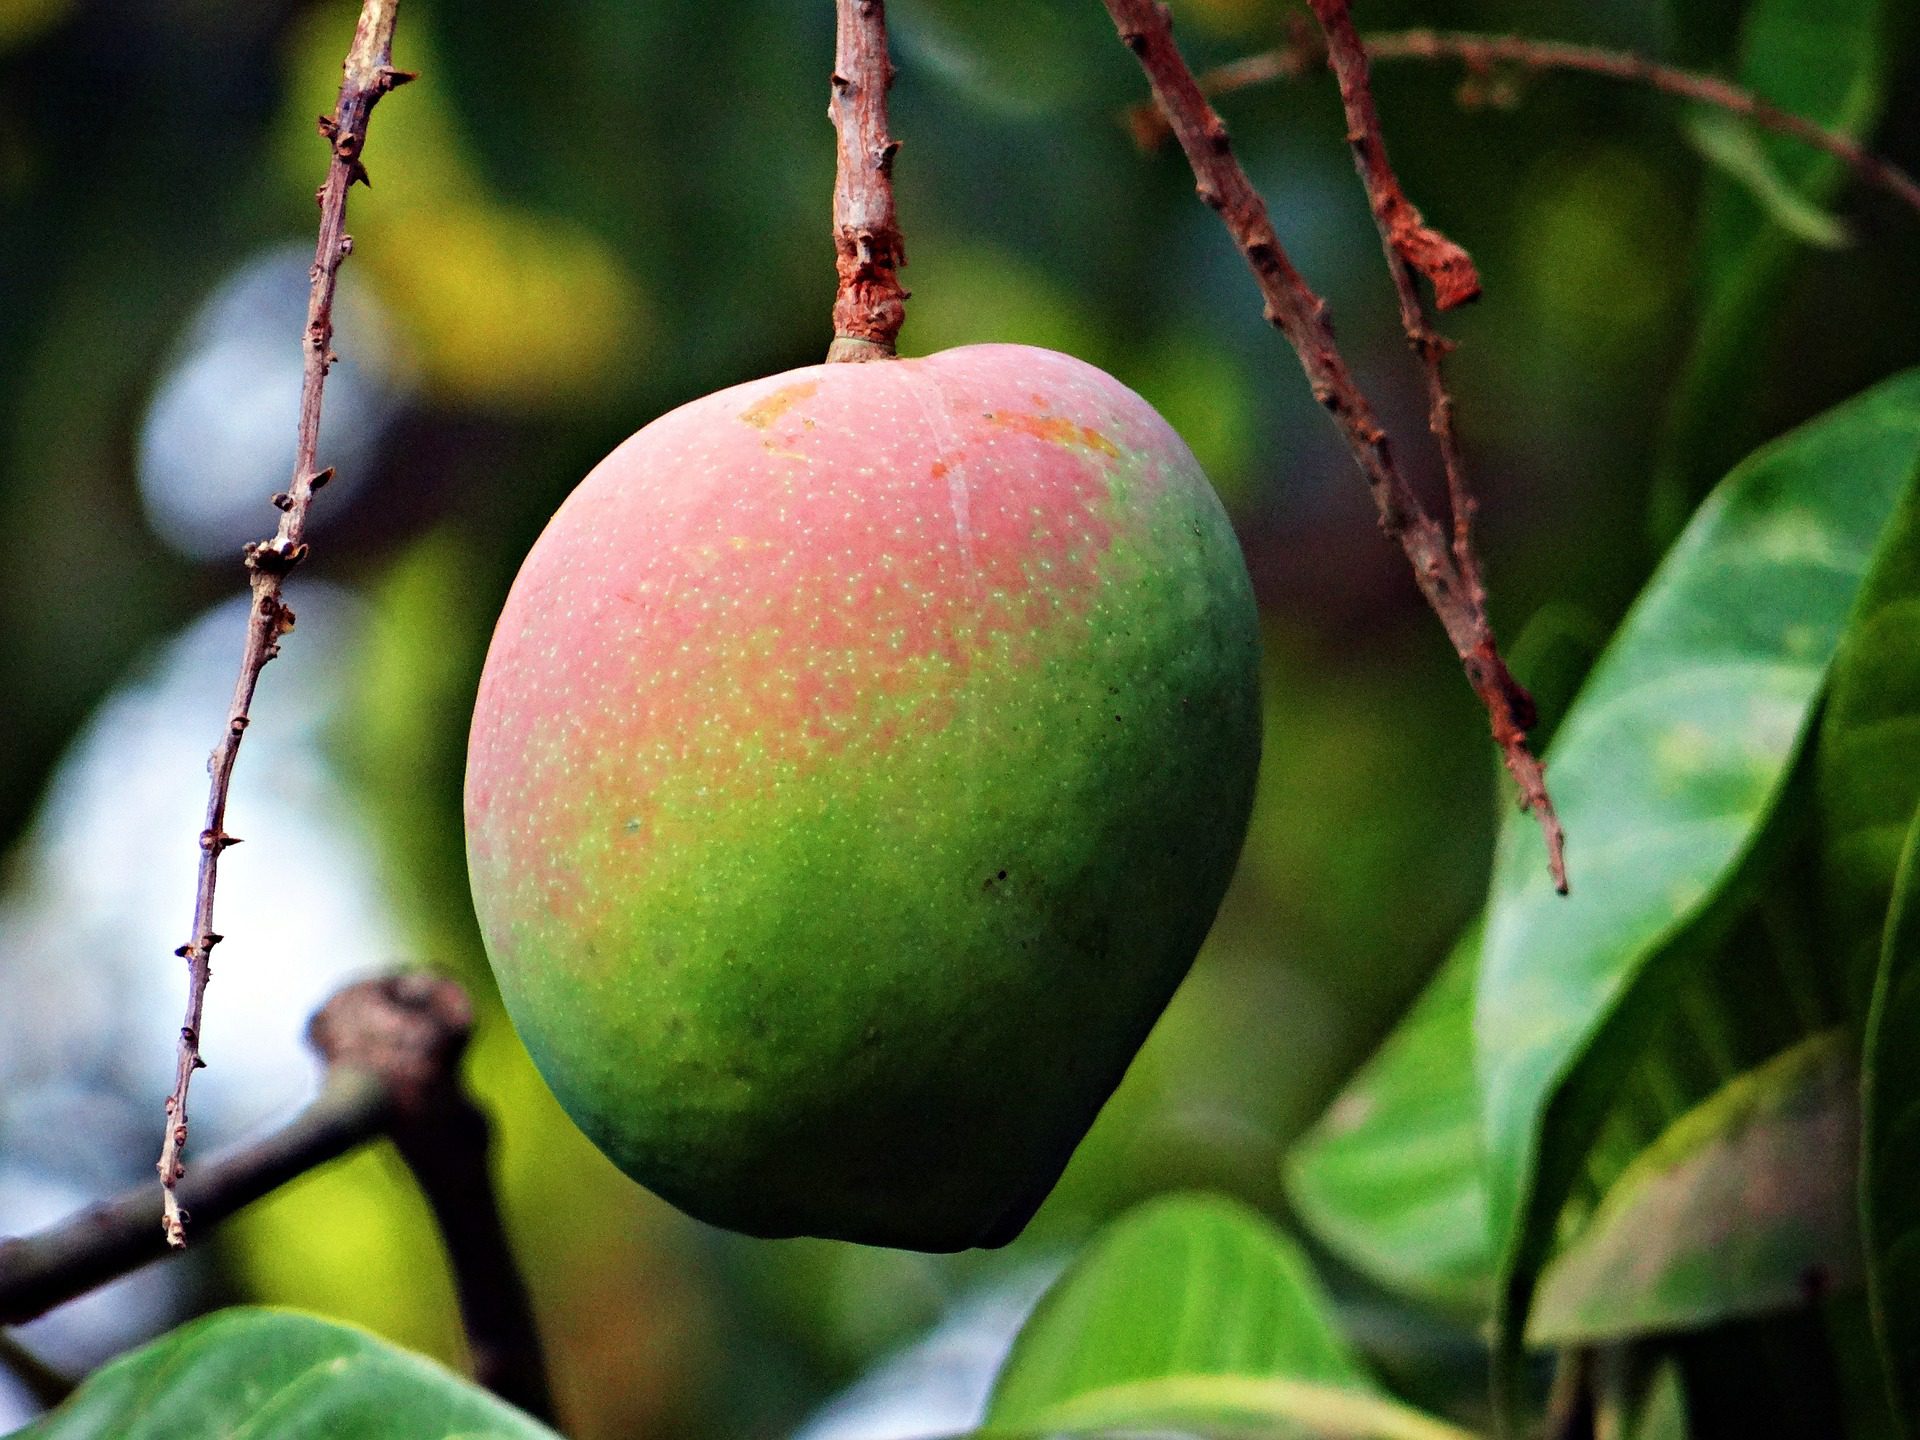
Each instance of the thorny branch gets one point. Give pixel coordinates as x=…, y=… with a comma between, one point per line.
x=392, y=1049
x=1293, y=307
x=869, y=251
x=369, y=75
x=1486, y=57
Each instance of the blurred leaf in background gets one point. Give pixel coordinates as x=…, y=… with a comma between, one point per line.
x=1825, y=60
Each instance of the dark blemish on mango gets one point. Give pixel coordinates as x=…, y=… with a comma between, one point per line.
x=769, y=408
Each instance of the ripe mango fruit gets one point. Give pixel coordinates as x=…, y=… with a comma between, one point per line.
x=860, y=759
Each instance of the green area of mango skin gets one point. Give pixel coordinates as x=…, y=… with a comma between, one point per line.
x=878, y=988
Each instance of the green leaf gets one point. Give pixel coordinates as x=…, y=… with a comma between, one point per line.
x=1184, y=1285
x=1869, y=785
x=1824, y=60
x=1889, y=1173
x=1734, y=148
x=1743, y=1206
x=1653, y=1407
x=1223, y=1406
x=1193, y=1312
x=1389, y=1179
x=249, y=1374
x=1674, y=757
x=1869, y=758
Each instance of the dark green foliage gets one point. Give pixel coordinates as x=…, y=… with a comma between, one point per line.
x=1817, y=58
x=1891, y=1138
x=1673, y=764
x=1663, y=1125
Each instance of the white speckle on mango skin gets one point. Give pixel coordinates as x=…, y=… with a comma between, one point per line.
x=852, y=739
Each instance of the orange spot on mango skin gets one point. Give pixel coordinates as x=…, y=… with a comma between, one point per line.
x=769, y=408
x=1055, y=430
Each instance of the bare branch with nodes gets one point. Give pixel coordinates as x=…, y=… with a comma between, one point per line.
x=1410, y=245
x=1451, y=586
x=369, y=74
x=1490, y=59
x=392, y=1048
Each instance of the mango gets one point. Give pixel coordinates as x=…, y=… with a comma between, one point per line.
x=861, y=756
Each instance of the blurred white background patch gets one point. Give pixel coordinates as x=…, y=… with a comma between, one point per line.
x=218, y=437
x=937, y=1386
x=100, y=891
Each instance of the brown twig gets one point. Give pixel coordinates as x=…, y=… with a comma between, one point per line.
x=38, y=1272
x=1485, y=55
x=1293, y=307
x=392, y=1049
x=369, y=74
x=1408, y=238
x=869, y=251
x=444, y=1139
x=1410, y=244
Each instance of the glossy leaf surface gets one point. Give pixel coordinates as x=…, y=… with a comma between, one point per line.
x=1666, y=772
x=250, y=1374
x=1195, y=1313
x=1869, y=761
x=1187, y=1285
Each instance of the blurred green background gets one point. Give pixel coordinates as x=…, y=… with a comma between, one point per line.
x=588, y=212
